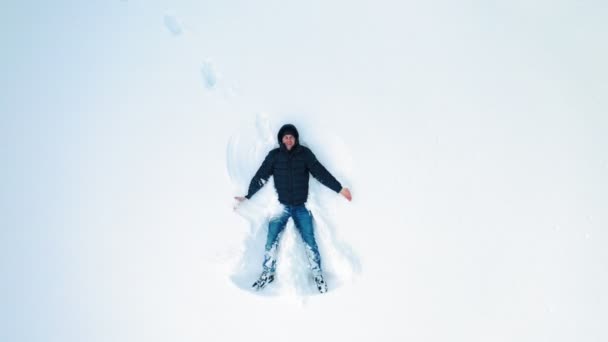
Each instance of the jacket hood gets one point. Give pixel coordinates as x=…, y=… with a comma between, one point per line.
x=288, y=129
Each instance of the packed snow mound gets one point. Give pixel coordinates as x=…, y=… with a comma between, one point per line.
x=209, y=75
x=172, y=24
x=246, y=150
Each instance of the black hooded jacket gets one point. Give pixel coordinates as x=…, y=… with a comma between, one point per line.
x=291, y=170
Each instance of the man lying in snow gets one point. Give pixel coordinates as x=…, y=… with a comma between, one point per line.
x=291, y=164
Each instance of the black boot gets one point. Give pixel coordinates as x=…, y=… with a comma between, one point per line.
x=321, y=284
x=264, y=279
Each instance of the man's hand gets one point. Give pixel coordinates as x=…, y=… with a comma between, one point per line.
x=239, y=200
x=346, y=193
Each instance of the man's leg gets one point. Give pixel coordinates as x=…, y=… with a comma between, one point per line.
x=276, y=226
x=302, y=218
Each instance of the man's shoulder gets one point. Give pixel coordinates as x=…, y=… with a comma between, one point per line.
x=305, y=153
x=304, y=149
x=272, y=154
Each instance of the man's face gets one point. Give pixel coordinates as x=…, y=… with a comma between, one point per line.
x=289, y=140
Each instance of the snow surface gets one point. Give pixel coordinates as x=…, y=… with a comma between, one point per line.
x=472, y=135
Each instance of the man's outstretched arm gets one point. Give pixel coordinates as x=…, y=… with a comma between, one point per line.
x=260, y=178
x=319, y=171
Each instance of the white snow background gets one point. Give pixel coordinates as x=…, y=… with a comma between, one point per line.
x=473, y=136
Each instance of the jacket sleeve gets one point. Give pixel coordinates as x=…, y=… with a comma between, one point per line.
x=261, y=176
x=318, y=171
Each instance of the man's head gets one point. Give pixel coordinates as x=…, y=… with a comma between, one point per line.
x=288, y=136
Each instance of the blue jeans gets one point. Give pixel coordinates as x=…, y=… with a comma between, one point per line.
x=302, y=218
